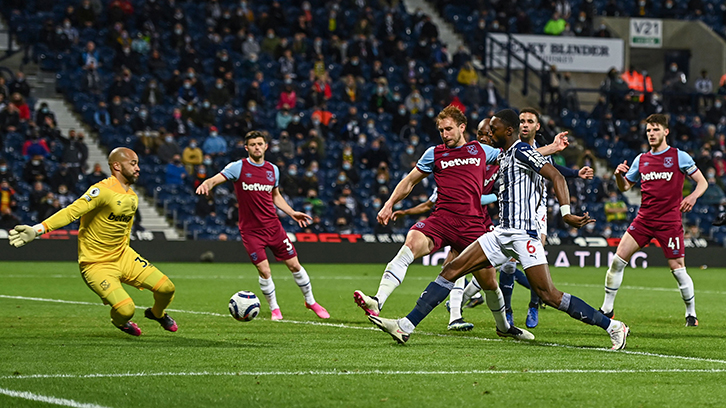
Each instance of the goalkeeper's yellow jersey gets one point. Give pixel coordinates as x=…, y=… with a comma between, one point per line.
x=107, y=213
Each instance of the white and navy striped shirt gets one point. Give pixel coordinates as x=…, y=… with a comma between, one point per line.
x=522, y=187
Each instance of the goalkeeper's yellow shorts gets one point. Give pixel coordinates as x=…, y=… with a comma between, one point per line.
x=105, y=278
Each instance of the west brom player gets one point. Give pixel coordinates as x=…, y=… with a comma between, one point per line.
x=457, y=220
x=661, y=172
x=256, y=186
x=521, y=171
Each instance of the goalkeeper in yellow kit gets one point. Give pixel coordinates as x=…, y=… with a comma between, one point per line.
x=105, y=258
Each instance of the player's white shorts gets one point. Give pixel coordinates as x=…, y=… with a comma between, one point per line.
x=502, y=244
x=542, y=220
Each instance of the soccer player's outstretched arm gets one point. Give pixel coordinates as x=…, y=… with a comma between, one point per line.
x=402, y=190
x=419, y=209
x=303, y=220
x=557, y=145
x=208, y=184
x=701, y=186
x=563, y=197
x=23, y=234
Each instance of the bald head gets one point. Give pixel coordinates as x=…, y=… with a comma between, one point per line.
x=124, y=165
x=482, y=131
x=120, y=154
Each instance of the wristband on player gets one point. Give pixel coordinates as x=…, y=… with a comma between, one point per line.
x=39, y=229
x=564, y=210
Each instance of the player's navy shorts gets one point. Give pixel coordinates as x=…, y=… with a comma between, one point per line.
x=669, y=236
x=459, y=232
x=275, y=237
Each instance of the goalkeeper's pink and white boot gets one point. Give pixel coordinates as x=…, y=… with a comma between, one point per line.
x=319, y=310
x=130, y=328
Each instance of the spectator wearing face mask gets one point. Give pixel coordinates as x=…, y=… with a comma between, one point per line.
x=152, y=95
x=187, y=93
x=192, y=156
x=175, y=172
x=177, y=125
x=214, y=145
x=375, y=155
x=313, y=205
x=283, y=118
x=168, y=148
x=219, y=95
x=64, y=196
x=35, y=170
x=143, y=122
x=309, y=180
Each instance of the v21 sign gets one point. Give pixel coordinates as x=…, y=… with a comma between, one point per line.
x=646, y=33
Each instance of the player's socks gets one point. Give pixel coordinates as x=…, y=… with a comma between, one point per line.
x=521, y=278
x=303, y=281
x=122, y=312
x=455, y=299
x=685, y=285
x=471, y=289
x=613, y=279
x=394, y=274
x=434, y=294
x=163, y=295
x=495, y=301
x=578, y=309
x=267, y=286
x=506, y=285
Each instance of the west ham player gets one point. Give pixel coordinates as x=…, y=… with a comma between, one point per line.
x=105, y=258
x=456, y=321
x=508, y=273
x=521, y=171
x=458, y=218
x=661, y=172
x=256, y=186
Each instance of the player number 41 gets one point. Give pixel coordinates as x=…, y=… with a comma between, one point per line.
x=674, y=243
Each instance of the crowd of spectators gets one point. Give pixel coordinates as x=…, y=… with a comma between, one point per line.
x=346, y=92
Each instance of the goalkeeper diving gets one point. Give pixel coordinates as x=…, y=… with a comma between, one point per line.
x=105, y=258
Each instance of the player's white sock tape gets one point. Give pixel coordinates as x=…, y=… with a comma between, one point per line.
x=509, y=267
x=685, y=285
x=303, y=281
x=455, y=299
x=495, y=301
x=394, y=274
x=471, y=289
x=613, y=280
x=267, y=286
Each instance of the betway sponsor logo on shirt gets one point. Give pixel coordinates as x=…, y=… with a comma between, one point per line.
x=257, y=187
x=657, y=175
x=460, y=162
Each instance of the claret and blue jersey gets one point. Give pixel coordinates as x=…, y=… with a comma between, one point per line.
x=253, y=186
x=459, y=174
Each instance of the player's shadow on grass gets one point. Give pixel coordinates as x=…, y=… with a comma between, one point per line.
x=175, y=340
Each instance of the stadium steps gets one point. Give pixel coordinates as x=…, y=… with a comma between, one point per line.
x=4, y=37
x=151, y=220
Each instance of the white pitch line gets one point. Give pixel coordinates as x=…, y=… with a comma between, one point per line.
x=352, y=278
x=361, y=372
x=49, y=400
x=344, y=326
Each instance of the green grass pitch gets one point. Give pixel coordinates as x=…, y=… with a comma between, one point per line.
x=57, y=345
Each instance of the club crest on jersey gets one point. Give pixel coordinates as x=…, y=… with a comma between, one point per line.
x=472, y=150
x=253, y=256
x=270, y=175
x=668, y=162
x=248, y=175
x=420, y=224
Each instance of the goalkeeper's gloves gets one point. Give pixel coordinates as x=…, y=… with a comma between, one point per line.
x=22, y=234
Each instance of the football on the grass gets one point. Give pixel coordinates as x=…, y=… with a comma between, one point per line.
x=244, y=306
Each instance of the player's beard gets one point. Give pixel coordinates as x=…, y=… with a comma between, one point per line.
x=129, y=176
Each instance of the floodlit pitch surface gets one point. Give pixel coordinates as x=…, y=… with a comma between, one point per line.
x=58, y=347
